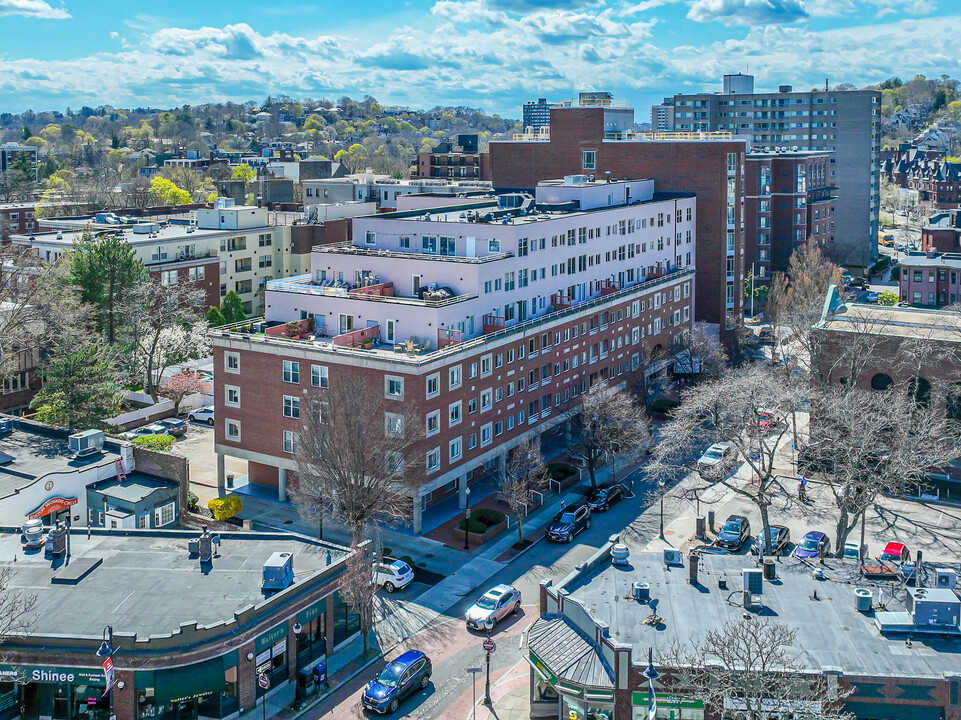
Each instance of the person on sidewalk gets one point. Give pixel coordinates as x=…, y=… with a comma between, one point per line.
x=802, y=489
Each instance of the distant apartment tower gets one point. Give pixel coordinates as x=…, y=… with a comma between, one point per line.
x=537, y=114
x=848, y=123
x=711, y=166
x=9, y=152
x=788, y=197
x=662, y=116
x=458, y=157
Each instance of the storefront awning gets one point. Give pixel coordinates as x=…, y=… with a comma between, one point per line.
x=190, y=681
x=560, y=652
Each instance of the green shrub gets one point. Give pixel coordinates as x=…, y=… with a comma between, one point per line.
x=561, y=471
x=192, y=501
x=482, y=520
x=160, y=443
x=664, y=405
x=226, y=507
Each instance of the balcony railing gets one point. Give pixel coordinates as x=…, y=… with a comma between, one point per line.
x=235, y=330
x=303, y=285
x=348, y=248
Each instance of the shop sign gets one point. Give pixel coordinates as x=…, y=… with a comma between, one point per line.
x=53, y=505
x=271, y=637
x=280, y=648
x=542, y=668
x=672, y=701
x=315, y=610
x=70, y=676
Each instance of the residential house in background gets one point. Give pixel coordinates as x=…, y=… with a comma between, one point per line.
x=930, y=279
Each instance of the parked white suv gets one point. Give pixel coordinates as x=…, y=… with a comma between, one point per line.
x=393, y=574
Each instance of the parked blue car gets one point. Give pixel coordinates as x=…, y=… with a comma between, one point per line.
x=402, y=677
x=814, y=544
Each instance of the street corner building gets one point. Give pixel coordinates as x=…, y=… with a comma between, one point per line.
x=490, y=320
x=883, y=652
x=170, y=624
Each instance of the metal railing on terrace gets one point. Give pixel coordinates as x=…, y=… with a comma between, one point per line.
x=303, y=285
x=670, y=136
x=233, y=330
x=348, y=248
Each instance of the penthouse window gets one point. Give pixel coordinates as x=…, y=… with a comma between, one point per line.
x=590, y=159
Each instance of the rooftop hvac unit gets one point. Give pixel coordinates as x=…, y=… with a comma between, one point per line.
x=753, y=581
x=933, y=607
x=278, y=571
x=86, y=443
x=642, y=591
x=672, y=557
x=57, y=540
x=946, y=578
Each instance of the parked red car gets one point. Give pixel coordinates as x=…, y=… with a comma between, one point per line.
x=895, y=552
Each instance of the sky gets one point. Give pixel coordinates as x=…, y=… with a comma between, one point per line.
x=490, y=54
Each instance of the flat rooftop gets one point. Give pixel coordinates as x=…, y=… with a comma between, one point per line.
x=148, y=584
x=135, y=488
x=35, y=455
x=920, y=259
x=830, y=630
x=915, y=323
x=67, y=237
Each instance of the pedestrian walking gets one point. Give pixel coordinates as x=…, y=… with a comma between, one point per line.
x=802, y=488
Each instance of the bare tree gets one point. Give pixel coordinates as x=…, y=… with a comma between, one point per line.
x=16, y=608
x=358, y=589
x=606, y=422
x=752, y=664
x=358, y=454
x=895, y=441
x=797, y=298
x=525, y=474
x=752, y=409
x=159, y=317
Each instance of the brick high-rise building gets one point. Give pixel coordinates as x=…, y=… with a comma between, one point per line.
x=788, y=197
x=846, y=122
x=711, y=166
x=490, y=322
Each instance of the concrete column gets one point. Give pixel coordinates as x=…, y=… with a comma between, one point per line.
x=221, y=474
x=462, y=492
x=501, y=466
x=416, y=516
x=282, y=484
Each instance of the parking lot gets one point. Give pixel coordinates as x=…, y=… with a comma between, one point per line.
x=198, y=445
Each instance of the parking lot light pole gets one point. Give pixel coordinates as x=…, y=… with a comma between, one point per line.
x=661, y=485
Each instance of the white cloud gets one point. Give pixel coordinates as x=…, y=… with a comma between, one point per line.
x=747, y=12
x=32, y=8
x=910, y=7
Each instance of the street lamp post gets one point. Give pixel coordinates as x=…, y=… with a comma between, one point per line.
x=651, y=674
x=466, y=518
x=661, y=484
x=106, y=650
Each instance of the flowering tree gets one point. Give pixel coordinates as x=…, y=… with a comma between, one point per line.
x=182, y=385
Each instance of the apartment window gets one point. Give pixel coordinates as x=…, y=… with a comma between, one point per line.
x=291, y=442
x=486, y=400
x=522, y=247
x=393, y=424
x=454, y=378
x=494, y=246
x=498, y=428
x=405, y=243
x=291, y=371
x=264, y=240
x=291, y=406
x=454, y=413
x=486, y=365
x=486, y=434
x=472, y=370
x=433, y=423
x=318, y=376
x=590, y=159
x=455, y=449
x=232, y=430
x=232, y=395
x=472, y=441
x=433, y=385
x=433, y=460
x=164, y=515
x=265, y=261
x=370, y=238
x=196, y=274
x=394, y=387
x=231, y=362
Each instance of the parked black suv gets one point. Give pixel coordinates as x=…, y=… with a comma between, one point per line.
x=603, y=497
x=567, y=523
x=734, y=533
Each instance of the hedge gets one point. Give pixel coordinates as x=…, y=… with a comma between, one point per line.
x=226, y=507
x=160, y=443
x=482, y=520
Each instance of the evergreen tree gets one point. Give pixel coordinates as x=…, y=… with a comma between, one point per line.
x=215, y=318
x=80, y=384
x=104, y=268
x=232, y=308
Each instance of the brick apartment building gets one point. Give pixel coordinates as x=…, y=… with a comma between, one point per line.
x=17, y=218
x=936, y=179
x=492, y=321
x=788, y=197
x=930, y=280
x=712, y=167
x=460, y=158
x=942, y=232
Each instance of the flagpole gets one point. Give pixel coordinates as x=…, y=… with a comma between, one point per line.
x=651, y=674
